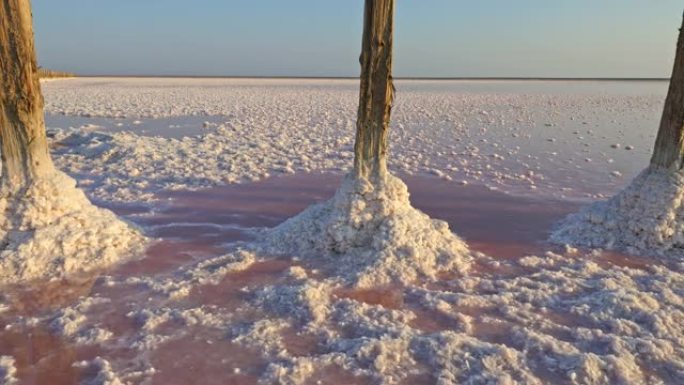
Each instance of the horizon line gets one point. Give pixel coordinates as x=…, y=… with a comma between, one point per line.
x=541, y=78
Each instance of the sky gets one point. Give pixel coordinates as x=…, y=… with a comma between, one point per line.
x=433, y=38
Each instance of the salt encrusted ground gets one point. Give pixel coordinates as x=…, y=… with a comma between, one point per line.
x=372, y=236
x=645, y=218
x=53, y=231
x=572, y=318
x=559, y=320
x=574, y=140
x=7, y=371
x=196, y=307
x=564, y=317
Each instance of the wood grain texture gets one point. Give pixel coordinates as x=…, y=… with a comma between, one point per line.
x=23, y=141
x=668, y=146
x=376, y=91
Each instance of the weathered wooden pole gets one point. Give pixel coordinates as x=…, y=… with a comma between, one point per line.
x=23, y=142
x=669, y=146
x=377, y=90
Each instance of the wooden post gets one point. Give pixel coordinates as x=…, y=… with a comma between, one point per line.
x=669, y=145
x=23, y=142
x=377, y=90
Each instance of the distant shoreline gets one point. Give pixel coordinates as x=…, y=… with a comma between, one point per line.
x=396, y=78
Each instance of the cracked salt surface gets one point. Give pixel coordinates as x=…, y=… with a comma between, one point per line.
x=207, y=302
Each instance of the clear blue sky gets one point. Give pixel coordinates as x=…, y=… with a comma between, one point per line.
x=557, y=38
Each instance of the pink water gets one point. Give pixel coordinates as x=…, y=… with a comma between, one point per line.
x=196, y=225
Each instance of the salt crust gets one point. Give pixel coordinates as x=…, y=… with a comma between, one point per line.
x=564, y=317
x=630, y=319
x=7, y=371
x=372, y=235
x=101, y=372
x=51, y=230
x=71, y=322
x=646, y=218
x=558, y=319
x=564, y=321
x=149, y=320
x=254, y=128
x=206, y=272
x=104, y=374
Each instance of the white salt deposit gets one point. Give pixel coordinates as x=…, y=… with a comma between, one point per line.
x=362, y=300
x=207, y=272
x=554, y=318
x=104, y=374
x=645, y=218
x=372, y=235
x=7, y=371
x=52, y=231
x=240, y=130
x=565, y=320
x=69, y=322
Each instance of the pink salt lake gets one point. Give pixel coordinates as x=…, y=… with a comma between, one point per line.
x=201, y=224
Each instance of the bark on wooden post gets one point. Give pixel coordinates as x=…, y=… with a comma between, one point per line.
x=23, y=142
x=377, y=90
x=669, y=145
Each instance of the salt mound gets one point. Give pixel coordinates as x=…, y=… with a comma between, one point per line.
x=372, y=234
x=53, y=230
x=644, y=218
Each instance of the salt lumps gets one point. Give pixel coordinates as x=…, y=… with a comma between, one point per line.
x=372, y=234
x=53, y=230
x=645, y=218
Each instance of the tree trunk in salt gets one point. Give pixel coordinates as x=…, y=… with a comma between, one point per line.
x=23, y=140
x=669, y=146
x=377, y=90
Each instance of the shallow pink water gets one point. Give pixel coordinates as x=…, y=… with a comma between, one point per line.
x=491, y=221
x=201, y=224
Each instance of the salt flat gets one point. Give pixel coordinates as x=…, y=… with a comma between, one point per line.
x=577, y=140
x=207, y=165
